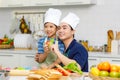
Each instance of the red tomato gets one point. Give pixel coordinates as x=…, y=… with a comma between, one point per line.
x=61, y=71
x=69, y=71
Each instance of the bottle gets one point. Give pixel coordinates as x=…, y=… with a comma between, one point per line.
x=105, y=48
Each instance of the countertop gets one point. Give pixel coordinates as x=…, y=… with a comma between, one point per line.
x=32, y=52
x=7, y=51
x=68, y=78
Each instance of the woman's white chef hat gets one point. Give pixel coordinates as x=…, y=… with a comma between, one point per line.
x=71, y=19
x=53, y=16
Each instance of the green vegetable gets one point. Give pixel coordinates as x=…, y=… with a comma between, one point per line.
x=73, y=67
x=51, y=41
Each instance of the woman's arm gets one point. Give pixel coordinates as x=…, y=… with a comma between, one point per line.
x=65, y=60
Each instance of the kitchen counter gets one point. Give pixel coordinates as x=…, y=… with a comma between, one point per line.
x=26, y=58
x=63, y=78
x=7, y=51
x=104, y=54
x=32, y=52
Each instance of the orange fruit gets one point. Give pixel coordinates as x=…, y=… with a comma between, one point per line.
x=119, y=68
x=114, y=68
x=99, y=66
x=105, y=66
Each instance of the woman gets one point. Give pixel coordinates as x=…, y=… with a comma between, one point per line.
x=74, y=51
x=44, y=56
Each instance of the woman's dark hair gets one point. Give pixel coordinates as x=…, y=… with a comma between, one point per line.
x=72, y=29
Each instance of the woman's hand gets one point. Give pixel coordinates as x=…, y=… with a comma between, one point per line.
x=55, y=48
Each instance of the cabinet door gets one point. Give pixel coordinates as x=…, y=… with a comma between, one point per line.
x=93, y=61
x=28, y=61
x=9, y=60
x=111, y=60
x=75, y=2
x=14, y=3
x=43, y=2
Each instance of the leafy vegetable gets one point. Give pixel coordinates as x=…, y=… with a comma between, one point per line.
x=73, y=67
x=51, y=41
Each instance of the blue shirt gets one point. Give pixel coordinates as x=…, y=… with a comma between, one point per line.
x=51, y=56
x=41, y=45
x=77, y=52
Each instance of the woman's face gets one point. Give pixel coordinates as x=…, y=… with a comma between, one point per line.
x=50, y=29
x=65, y=31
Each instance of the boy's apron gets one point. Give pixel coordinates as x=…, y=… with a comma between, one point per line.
x=49, y=59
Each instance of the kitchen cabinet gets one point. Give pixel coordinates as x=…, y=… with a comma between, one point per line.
x=96, y=58
x=92, y=61
x=33, y=3
x=14, y=3
x=28, y=60
x=9, y=60
x=17, y=58
x=43, y=2
x=111, y=60
x=76, y=2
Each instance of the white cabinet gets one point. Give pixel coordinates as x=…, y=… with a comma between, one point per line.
x=23, y=3
x=14, y=3
x=111, y=60
x=28, y=60
x=43, y=2
x=76, y=2
x=9, y=60
x=14, y=59
x=93, y=61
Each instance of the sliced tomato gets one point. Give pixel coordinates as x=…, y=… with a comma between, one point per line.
x=69, y=70
x=61, y=71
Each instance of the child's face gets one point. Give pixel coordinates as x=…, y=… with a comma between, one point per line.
x=50, y=29
x=65, y=31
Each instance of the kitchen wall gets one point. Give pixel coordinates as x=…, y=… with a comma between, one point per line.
x=95, y=20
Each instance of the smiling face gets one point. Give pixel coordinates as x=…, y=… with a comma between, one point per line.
x=65, y=31
x=50, y=29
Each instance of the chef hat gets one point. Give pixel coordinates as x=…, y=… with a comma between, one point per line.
x=71, y=19
x=53, y=16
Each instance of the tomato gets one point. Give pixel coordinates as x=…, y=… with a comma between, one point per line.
x=114, y=74
x=61, y=71
x=5, y=39
x=114, y=68
x=69, y=70
x=105, y=66
x=104, y=73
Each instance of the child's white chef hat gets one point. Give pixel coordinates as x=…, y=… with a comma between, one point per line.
x=53, y=16
x=71, y=19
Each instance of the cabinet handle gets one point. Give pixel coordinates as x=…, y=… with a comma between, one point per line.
x=73, y=3
x=6, y=55
x=116, y=60
x=92, y=59
x=42, y=4
x=30, y=56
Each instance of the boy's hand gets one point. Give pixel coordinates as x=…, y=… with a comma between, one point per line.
x=46, y=49
x=37, y=57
